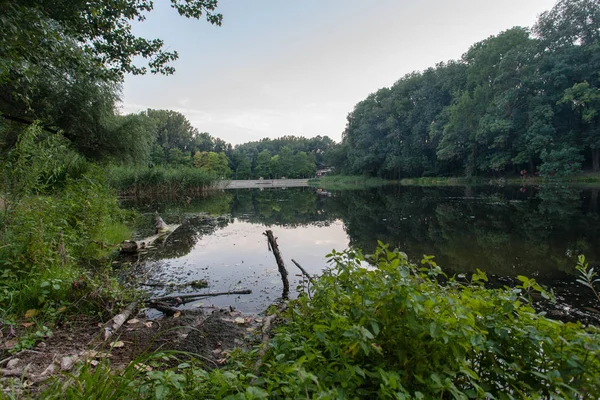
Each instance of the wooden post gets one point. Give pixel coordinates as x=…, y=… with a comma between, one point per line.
x=284, y=274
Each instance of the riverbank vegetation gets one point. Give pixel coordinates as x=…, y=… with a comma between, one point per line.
x=389, y=332
x=140, y=182
x=59, y=223
x=339, y=182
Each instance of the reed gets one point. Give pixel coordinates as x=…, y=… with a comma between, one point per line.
x=147, y=182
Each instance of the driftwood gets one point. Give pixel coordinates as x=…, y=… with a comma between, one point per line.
x=195, y=296
x=280, y=264
x=133, y=246
x=163, y=231
x=159, y=224
x=303, y=271
x=114, y=324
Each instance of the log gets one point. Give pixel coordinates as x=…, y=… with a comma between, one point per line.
x=164, y=308
x=114, y=324
x=133, y=246
x=280, y=264
x=198, y=284
x=195, y=296
x=303, y=271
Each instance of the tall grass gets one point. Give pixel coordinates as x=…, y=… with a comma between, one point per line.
x=476, y=180
x=59, y=222
x=147, y=182
x=443, y=181
x=341, y=182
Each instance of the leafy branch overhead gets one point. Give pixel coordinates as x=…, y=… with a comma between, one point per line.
x=101, y=29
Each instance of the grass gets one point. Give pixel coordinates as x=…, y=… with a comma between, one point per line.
x=342, y=182
x=443, y=181
x=589, y=178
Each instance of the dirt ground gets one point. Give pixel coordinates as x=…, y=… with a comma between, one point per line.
x=207, y=334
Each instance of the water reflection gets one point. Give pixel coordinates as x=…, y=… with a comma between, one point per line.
x=503, y=231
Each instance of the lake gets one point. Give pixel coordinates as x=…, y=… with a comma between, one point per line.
x=504, y=231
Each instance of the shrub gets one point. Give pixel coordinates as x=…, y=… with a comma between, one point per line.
x=59, y=214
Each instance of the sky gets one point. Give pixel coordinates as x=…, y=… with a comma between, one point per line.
x=284, y=67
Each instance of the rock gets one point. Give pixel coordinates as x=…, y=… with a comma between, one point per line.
x=12, y=364
x=67, y=362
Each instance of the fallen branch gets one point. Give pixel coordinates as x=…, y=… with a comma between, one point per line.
x=266, y=335
x=280, y=264
x=195, y=295
x=304, y=272
x=198, y=284
x=163, y=231
x=114, y=324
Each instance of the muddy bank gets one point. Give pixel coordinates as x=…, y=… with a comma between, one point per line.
x=207, y=335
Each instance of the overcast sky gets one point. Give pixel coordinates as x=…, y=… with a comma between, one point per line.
x=285, y=67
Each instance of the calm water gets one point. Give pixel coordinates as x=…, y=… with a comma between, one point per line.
x=505, y=232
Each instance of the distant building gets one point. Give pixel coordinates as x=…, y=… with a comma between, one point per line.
x=324, y=171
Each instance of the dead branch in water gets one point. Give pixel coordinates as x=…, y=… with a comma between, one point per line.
x=195, y=296
x=280, y=264
x=303, y=271
x=163, y=231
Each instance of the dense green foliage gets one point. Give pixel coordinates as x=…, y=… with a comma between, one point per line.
x=62, y=63
x=520, y=100
x=287, y=156
x=57, y=218
x=389, y=331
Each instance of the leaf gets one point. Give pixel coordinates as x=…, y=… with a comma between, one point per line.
x=27, y=324
x=31, y=313
x=256, y=392
x=117, y=344
x=177, y=314
x=133, y=321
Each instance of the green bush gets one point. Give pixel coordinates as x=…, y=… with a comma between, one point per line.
x=58, y=216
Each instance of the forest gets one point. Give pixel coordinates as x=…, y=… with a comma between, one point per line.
x=524, y=101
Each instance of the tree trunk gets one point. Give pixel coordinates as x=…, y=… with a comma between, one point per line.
x=594, y=200
x=596, y=160
x=531, y=167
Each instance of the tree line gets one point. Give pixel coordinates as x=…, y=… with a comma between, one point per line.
x=62, y=64
x=524, y=101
